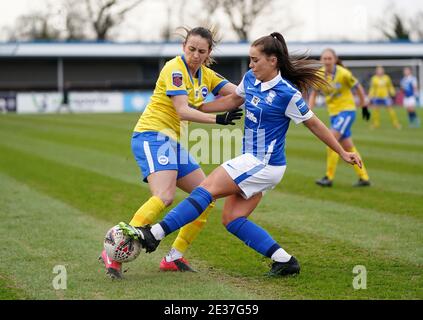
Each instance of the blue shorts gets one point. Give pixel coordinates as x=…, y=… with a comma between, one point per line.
x=381, y=101
x=154, y=152
x=342, y=123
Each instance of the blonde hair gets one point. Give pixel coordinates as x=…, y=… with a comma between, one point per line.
x=338, y=61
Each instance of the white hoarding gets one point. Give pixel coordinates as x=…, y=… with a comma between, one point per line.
x=46, y=102
x=79, y=102
x=96, y=101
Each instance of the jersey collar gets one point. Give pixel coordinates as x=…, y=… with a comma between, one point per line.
x=199, y=73
x=269, y=84
x=334, y=71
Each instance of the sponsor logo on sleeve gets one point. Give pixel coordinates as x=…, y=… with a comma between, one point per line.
x=177, y=78
x=302, y=106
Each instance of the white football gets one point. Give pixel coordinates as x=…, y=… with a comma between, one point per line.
x=120, y=247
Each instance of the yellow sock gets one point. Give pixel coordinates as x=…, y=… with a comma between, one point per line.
x=189, y=232
x=362, y=173
x=331, y=163
x=376, y=117
x=148, y=212
x=394, y=118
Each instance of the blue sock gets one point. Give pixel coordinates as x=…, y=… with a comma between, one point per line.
x=412, y=115
x=253, y=236
x=186, y=211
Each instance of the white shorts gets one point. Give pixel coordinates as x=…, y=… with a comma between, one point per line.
x=409, y=102
x=252, y=175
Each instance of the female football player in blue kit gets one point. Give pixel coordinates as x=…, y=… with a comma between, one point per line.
x=411, y=95
x=272, y=93
x=180, y=91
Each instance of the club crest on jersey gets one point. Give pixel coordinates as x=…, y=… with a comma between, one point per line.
x=177, y=78
x=204, y=92
x=270, y=97
x=163, y=160
x=255, y=101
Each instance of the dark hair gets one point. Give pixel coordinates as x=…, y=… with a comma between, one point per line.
x=338, y=61
x=299, y=70
x=210, y=34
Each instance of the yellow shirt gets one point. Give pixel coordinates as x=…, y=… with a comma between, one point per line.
x=176, y=79
x=338, y=95
x=381, y=87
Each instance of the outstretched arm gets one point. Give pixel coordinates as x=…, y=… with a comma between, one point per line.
x=225, y=103
x=363, y=102
x=191, y=114
x=186, y=113
x=361, y=95
x=323, y=133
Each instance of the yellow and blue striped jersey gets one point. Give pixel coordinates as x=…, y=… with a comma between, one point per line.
x=381, y=87
x=176, y=79
x=338, y=94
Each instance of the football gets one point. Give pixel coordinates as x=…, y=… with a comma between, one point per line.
x=120, y=247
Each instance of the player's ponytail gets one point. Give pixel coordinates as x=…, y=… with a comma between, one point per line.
x=298, y=69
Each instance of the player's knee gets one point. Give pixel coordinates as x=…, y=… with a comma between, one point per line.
x=208, y=185
x=226, y=219
x=166, y=197
x=205, y=184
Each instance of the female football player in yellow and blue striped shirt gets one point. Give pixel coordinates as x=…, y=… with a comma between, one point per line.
x=342, y=108
x=380, y=93
x=182, y=86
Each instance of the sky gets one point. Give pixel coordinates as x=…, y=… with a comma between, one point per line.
x=311, y=20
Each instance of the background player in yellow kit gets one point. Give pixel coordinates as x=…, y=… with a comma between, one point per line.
x=381, y=93
x=342, y=109
x=183, y=84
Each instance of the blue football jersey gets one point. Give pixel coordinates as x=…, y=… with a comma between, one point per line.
x=269, y=107
x=407, y=85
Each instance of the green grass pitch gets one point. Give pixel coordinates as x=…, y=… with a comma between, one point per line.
x=66, y=179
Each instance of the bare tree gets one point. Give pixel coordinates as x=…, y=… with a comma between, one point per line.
x=167, y=32
x=104, y=15
x=75, y=21
x=417, y=29
x=243, y=13
x=62, y=20
x=210, y=7
x=67, y=20
x=33, y=26
x=397, y=29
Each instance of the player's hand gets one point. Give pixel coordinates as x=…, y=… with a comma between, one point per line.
x=352, y=158
x=365, y=113
x=228, y=117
